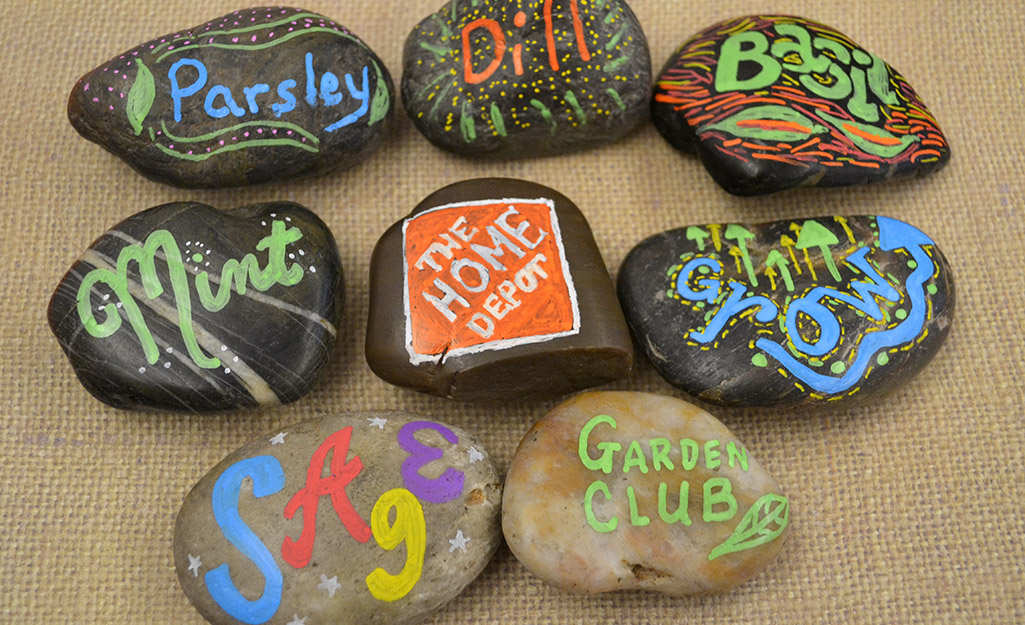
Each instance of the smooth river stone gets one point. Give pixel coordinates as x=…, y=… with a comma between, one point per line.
x=494, y=289
x=512, y=79
x=809, y=311
x=593, y=498
x=184, y=307
x=774, y=102
x=257, y=95
x=358, y=519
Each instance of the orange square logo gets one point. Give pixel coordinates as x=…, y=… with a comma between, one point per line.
x=482, y=275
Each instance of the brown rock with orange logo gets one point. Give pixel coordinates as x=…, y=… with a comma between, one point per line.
x=494, y=289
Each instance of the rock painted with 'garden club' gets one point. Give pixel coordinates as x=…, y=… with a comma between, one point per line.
x=774, y=102
x=515, y=79
x=494, y=289
x=620, y=490
x=184, y=307
x=810, y=311
x=256, y=95
x=365, y=518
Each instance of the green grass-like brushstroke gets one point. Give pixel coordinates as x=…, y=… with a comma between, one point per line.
x=261, y=46
x=217, y=133
x=238, y=146
x=496, y=119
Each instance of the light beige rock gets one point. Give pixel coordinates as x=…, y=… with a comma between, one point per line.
x=363, y=518
x=582, y=506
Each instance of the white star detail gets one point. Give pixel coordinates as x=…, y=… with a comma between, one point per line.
x=377, y=422
x=194, y=563
x=459, y=542
x=298, y=621
x=330, y=585
x=279, y=439
x=475, y=456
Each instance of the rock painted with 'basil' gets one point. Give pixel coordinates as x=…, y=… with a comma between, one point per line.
x=808, y=311
x=365, y=518
x=184, y=307
x=774, y=102
x=256, y=95
x=513, y=79
x=622, y=490
x=494, y=289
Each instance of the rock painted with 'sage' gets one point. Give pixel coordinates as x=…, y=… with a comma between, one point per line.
x=810, y=311
x=365, y=518
x=774, y=102
x=494, y=289
x=514, y=79
x=257, y=95
x=621, y=490
x=184, y=307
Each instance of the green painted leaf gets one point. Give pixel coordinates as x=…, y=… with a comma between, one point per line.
x=382, y=101
x=140, y=97
x=872, y=139
x=770, y=122
x=752, y=531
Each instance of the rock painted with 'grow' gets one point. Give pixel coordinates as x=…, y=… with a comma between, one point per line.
x=362, y=518
x=256, y=95
x=623, y=490
x=511, y=79
x=789, y=312
x=184, y=307
x=494, y=289
x=773, y=102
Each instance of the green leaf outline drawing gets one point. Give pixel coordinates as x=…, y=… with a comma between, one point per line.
x=772, y=112
x=382, y=100
x=752, y=532
x=140, y=97
x=883, y=151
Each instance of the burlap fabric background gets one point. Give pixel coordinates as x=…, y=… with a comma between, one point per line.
x=908, y=509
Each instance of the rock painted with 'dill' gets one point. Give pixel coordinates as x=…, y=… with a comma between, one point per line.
x=365, y=518
x=809, y=311
x=622, y=490
x=256, y=95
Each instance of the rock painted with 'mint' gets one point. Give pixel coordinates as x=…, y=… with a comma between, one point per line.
x=187, y=308
x=809, y=311
x=256, y=95
x=515, y=79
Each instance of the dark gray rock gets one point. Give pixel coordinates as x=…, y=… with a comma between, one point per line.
x=365, y=518
x=774, y=102
x=789, y=312
x=257, y=95
x=499, y=78
x=184, y=307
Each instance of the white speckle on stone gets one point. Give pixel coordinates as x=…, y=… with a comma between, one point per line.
x=329, y=585
x=292, y=256
x=142, y=369
x=278, y=439
x=227, y=370
x=312, y=270
x=377, y=422
x=475, y=455
x=302, y=252
x=263, y=223
x=235, y=359
x=106, y=296
x=169, y=350
x=224, y=348
x=194, y=563
x=167, y=365
x=459, y=542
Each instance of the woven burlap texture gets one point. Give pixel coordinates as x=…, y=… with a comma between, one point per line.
x=908, y=509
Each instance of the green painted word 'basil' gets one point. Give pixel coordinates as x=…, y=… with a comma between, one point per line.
x=234, y=273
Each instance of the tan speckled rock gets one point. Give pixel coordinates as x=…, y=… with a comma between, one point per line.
x=592, y=499
x=367, y=518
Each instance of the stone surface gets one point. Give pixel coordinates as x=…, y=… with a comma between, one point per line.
x=774, y=102
x=405, y=518
x=494, y=289
x=511, y=79
x=593, y=498
x=184, y=307
x=256, y=95
x=789, y=312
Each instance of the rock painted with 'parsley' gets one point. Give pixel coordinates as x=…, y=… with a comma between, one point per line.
x=184, y=307
x=623, y=490
x=256, y=95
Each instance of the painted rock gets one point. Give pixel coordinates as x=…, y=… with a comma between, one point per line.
x=775, y=102
x=184, y=307
x=789, y=312
x=621, y=490
x=494, y=289
x=362, y=518
x=257, y=95
x=512, y=79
